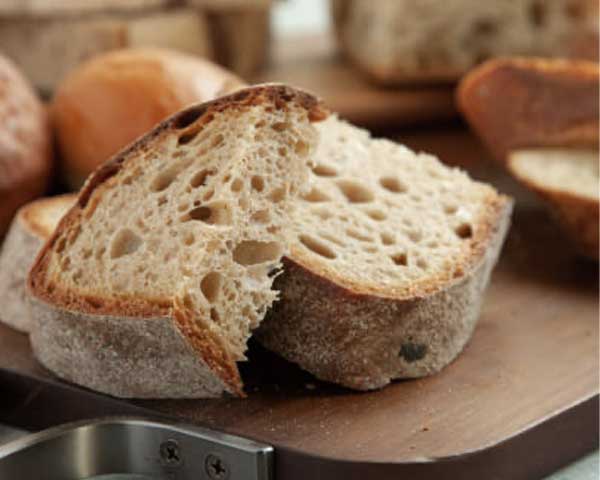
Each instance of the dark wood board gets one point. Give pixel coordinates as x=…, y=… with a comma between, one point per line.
x=311, y=62
x=519, y=402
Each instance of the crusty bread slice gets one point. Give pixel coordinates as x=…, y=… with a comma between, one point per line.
x=32, y=226
x=151, y=284
x=567, y=179
x=391, y=256
x=524, y=102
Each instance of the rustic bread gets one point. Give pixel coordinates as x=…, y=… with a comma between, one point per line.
x=76, y=7
x=518, y=103
x=25, y=146
x=112, y=99
x=408, y=41
x=46, y=46
x=152, y=283
x=568, y=180
x=32, y=226
x=391, y=254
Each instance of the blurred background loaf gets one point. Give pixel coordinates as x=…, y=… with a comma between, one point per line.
x=413, y=41
x=47, y=38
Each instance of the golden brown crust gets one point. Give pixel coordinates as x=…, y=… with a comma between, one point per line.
x=577, y=214
x=25, y=149
x=516, y=103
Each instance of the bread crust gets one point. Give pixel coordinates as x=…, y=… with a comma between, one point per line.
x=518, y=103
x=25, y=148
x=365, y=340
x=127, y=315
x=578, y=215
x=21, y=245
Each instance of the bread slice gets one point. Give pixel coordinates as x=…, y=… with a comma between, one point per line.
x=32, y=226
x=414, y=41
x=391, y=255
x=568, y=180
x=518, y=103
x=151, y=284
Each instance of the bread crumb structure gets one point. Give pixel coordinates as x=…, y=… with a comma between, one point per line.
x=391, y=254
x=189, y=224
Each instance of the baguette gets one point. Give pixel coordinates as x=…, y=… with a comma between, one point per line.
x=153, y=281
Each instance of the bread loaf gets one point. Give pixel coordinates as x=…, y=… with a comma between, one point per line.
x=391, y=255
x=152, y=283
x=109, y=101
x=31, y=227
x=25, y=146
x=413, y=41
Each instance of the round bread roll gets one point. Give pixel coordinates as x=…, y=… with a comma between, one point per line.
x=112, y=99
x=25, y=145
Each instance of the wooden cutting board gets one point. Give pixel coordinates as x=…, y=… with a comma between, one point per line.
x=519, y=402
x=312, y=62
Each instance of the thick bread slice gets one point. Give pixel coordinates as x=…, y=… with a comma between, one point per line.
x=567, y=179
x=32, y=226
x=412, y=41
x=390, y=260
x=153, y=281
x=519, y=103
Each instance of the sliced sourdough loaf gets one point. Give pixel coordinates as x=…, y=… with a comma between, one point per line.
x=532, y=102
x=568, y=180
x=32, y=226
x=152, y=283
x=391, y=255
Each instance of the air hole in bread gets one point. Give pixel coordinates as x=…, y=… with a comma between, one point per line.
x=464, y=231
x=484, y=27
x=217, y=213
x=217, y=140
x=277, y=195
x=280, y=126
x=301, y=148
x=262, y=216
x=370, y=248
x=86, y=253
x=282, y=151
x=100, y=253
x=161, y=201
x=187, y=137
x=414, y=236
x=400, y=259
x=317, y=247
x=189, y=239
x=575, y=11
x=422, y=264
x=211, y=286
x=316, y=196
x=125, y=242
x=186, y=118
x=60, y=245
x=450, y=209
x=324, y=171
x=182, y=207
x=351, y=232
x=355, y=192
x=257, y=183
x=377, y=215
x=322, y=214
x=167, y=176
x=199, y=178
x=387, y=238
x=237, y=185
x=253, y=252
x=65, y=264
x=392, y=184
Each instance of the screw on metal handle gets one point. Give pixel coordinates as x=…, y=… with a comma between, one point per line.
x=215, y=467
x=170, y=454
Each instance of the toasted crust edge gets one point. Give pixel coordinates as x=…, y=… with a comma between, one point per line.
x=364, y=341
